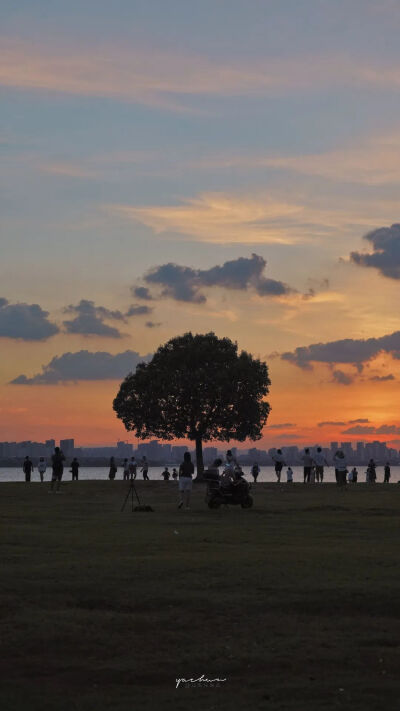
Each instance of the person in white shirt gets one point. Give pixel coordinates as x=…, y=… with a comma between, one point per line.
x=319, y=461
x=339, y=462
x=307, y=465
x=42, y=466
x=289, y=475
x=279, y=462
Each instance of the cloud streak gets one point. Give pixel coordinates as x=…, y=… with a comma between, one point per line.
x=355, y=351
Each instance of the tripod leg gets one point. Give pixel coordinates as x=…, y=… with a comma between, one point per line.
x=126, y=498
x=138, y=500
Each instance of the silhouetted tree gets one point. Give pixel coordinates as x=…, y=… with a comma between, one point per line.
x=196, y=387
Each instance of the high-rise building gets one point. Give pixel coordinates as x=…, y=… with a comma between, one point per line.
x=67, y=446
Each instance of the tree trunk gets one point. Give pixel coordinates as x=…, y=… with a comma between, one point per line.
x=199, y=459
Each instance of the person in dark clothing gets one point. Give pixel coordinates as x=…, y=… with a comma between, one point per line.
x=166, y=474
x=27, y=468
x=57, y=463
x=75, y=469
x=387, y=473
x=174, y=474
x=255, y=470
x=371, y=469
x=186, y=471
x=113, y=469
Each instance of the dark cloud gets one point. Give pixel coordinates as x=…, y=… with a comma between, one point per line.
x=27, y=322
x=386, y=251
x=382, y=378
x=284, y=425
x=84, y=365
x=364, y=429
x=151, y=324
x=342, y=378
x=186, y=284
x=138, y=310
x=355, y=351
x=89, y=320
x=339, y=423
x=141, y=292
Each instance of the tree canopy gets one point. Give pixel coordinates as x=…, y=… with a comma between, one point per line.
x=196, y=387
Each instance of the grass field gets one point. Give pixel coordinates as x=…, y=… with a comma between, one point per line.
x=295, y=602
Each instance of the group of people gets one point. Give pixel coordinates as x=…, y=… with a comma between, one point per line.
x=57, y=468
x=129, y=468
x=313, y=468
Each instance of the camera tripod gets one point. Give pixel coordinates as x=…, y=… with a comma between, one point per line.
x=131, y=493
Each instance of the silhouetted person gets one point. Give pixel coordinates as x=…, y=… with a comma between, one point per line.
x=231, y=461
x=386, y=476
x=145, y=468
x=125, y=468
x=27, y=468
x=132, y=468
x=353, y=476
x=279, y=462
x=57, y=463
x=255, y=470
x=113, y=469
x=166, y=474
x=75, y=469
x=42, y=466
x=371, y=472
x=289, y=475
x=339, y=462
x=307, y=464
x=186, y=471
x=174, y=474
x=319, y=461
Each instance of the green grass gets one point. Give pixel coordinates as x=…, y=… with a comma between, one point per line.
x=296, y=602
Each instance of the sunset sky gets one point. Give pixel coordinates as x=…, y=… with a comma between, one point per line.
x=226, y=165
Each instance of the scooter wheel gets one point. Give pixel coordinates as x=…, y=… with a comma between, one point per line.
x=247, y=503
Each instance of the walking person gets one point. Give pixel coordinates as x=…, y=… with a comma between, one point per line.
x=339, y=462
x=289, y=475
x=279, y=463
x=255, y=470
x=386, y=476
x=42, y=466
x=57, y=463
x=145, y=468
x=307, y=465
x=125, y=469
x=27, y=468
x=186, y=471
x=132, y=468
x=75, y=469
x=319, y=461
x=113, y=469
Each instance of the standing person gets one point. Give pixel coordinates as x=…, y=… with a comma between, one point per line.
x=289, y=475
x=255, y=470
x=42, y=466
x=145, y=468
x=353, y=476
x=75, y=469
x=279, y=463
x=174, y=474
x=186, y=471
x=307, y=464
x=319, y=461
x=132, y=468
x=339, y=462
x=166, y=474
x=125, y=468
x=57, y=463
x=387, y=473
x=231, y=461
x=371, y=469
x=113, y=469
x=27, y=468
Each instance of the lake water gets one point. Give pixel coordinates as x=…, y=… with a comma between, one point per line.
x=266, y=474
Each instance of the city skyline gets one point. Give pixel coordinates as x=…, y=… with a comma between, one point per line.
x=226, y=167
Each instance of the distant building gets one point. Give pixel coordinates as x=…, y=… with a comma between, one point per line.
x=67, y=446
